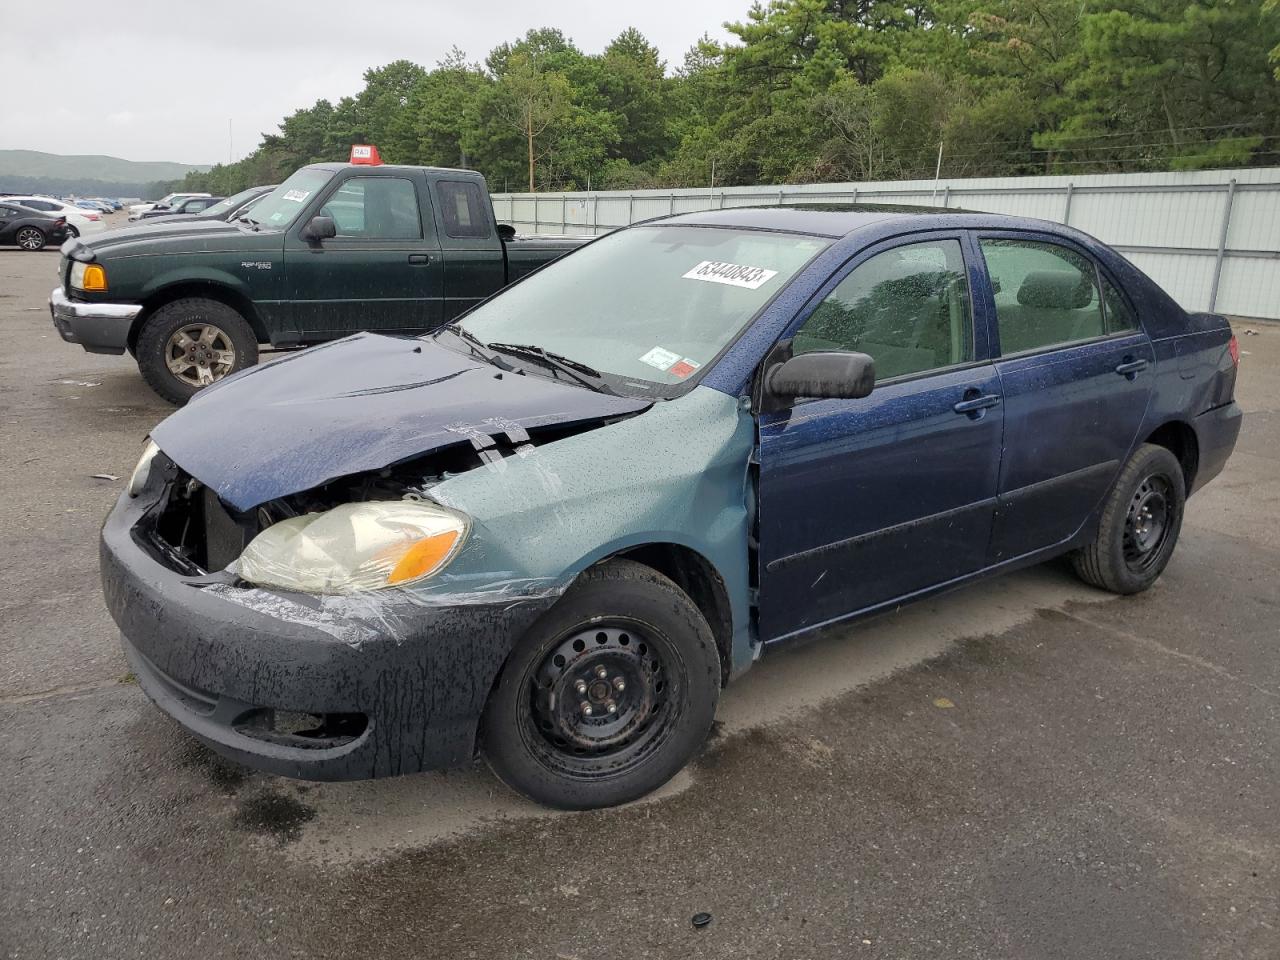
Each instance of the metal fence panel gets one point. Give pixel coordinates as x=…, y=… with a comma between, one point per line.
x=1210, y=238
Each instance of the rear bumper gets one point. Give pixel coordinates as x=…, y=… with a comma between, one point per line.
x=397, y=684
x=1216, y=432
x=98, y=327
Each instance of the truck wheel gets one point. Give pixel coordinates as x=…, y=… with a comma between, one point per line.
x=188, y=344
x=30, y=238
x=608, y=695
x=1141, y=519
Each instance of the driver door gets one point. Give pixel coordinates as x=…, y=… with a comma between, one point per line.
x=864, y=502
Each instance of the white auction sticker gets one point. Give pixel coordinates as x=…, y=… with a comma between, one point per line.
x=734, y=274
x=297, y=196
x=662, y=359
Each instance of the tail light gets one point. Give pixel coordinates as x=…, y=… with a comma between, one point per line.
x=60, y=222
x=90, y=215
x=1233, y=348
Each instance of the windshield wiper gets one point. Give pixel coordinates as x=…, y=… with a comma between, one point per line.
x=474, y=344
x=586, y=375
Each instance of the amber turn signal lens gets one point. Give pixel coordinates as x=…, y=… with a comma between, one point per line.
x=95, y=277
x=423, y=557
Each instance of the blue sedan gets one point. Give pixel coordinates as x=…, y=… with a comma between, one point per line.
x=553, y=530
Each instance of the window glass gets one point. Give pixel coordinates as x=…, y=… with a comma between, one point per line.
x=651, y=306
x=375, y=208
x=1045, y=294
x=282, y=205
x=1120, y=316
x=908, y=308
x=463, y=209
x=6, y=211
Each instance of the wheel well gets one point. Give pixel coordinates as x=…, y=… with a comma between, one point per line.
x=698, y=578
x=197, y=288
x=1179, y=439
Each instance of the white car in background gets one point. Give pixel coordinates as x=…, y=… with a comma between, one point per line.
x=79, y=220
x=167, y=200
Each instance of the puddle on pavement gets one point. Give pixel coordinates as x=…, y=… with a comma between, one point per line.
x=362, y=821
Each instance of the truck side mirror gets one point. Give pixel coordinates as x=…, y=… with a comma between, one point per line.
x=841, y=375
x=319, y=228
x=506, y=232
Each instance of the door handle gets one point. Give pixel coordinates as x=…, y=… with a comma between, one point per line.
x=1130, y=367
x=975, y=404
x=419, y=258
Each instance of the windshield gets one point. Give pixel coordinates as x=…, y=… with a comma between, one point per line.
x=649, y=307
x=229, y=204
x=281, y=206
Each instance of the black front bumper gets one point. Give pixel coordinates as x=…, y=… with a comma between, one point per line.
x=404, y=682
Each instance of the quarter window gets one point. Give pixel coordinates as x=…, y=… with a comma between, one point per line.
x=375, y=208
x=1120, y=318
x=1045, y=294
x=908, y=308
x=463, y=209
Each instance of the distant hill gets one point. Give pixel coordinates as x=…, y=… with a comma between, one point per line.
x=36, y=172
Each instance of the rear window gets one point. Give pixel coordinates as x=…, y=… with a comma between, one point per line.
x=463, y=208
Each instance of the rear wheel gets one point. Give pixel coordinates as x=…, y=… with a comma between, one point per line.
x=1140, y=523
x=608, y=696
x=188, y=344
x=30, y=238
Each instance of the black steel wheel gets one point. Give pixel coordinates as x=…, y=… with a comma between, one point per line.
x=608, y=695
x=1139, y=525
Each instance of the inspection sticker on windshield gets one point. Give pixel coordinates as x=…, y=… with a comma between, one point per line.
x=734, y=274
x=684, y=368
x=662, y=359
x=297, y=196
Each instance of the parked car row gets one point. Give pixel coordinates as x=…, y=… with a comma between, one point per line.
x=80, y=221
x=550, y=525
x=164, y=202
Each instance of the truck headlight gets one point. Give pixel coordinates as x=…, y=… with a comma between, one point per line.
x=354, y=548
x=138, y=479
x=88, y=276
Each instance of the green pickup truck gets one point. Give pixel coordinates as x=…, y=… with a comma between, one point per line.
x=335, y=249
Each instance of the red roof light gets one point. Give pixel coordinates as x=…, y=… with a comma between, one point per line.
x=365, y=153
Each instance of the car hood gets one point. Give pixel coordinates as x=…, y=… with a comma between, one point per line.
x=355, y=405
x=150, y=236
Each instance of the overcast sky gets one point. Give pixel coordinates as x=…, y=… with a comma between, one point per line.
x=159, y=79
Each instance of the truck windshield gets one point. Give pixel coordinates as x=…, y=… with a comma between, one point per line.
x=648, y=307
x=281, y=206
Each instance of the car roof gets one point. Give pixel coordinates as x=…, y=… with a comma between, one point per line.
x=838, y=220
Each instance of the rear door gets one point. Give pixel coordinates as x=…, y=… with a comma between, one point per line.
x=381, y=272
x=1076, y=380
x=866, y=501
x=474, y=264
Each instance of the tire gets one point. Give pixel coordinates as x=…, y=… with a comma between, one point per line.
x=72, y=232
x=30, y=239
x=1140, y=523
x=599, y=646
x=218, y=343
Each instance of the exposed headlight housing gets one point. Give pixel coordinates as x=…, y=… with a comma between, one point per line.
x=88, y=276
x=138, y=479
x=354, y=548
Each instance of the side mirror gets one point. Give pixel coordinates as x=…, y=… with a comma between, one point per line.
x=833, y=375
x=506, y=232
x=320, y=228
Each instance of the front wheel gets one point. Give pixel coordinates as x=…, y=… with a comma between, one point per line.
x=190, y=343
x=609, y=694
x=30, y=238
x=1140, y=523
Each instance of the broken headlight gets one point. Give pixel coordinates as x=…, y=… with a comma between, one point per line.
x=354, y=547
x=138, y=479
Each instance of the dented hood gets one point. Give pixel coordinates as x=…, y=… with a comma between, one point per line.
x=355, y=405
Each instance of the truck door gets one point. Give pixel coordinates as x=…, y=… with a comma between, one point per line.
x=474, y=262
x=381, y=272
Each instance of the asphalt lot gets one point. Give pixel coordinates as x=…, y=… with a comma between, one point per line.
x=1026, y=769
